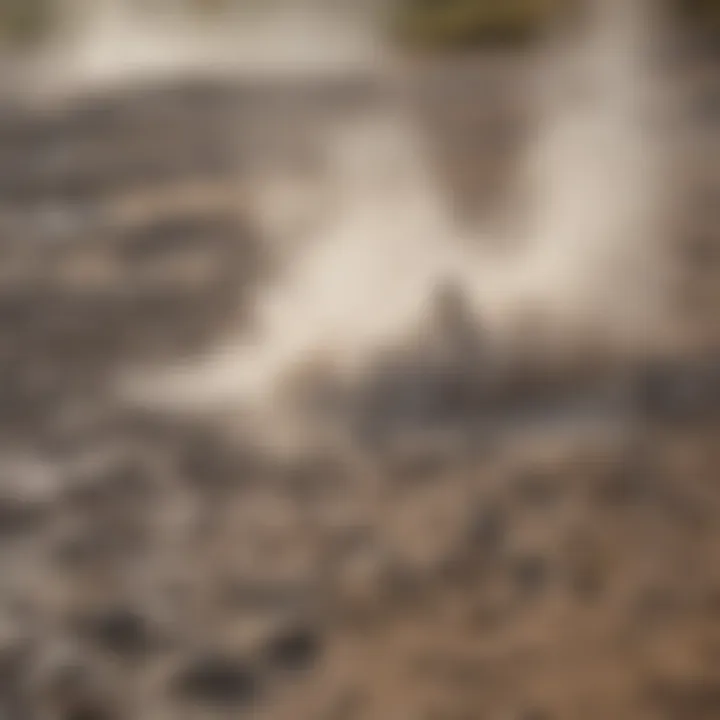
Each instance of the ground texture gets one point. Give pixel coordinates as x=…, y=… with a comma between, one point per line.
x=156, y=568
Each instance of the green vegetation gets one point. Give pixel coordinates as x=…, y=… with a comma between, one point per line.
x=450, y=24
x=437, y=24
x=24, y=21
x=707, y=11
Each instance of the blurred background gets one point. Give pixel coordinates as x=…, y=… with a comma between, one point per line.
x=455, y=23
x=359, y=359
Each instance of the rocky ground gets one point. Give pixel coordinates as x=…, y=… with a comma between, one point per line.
x=155, y=567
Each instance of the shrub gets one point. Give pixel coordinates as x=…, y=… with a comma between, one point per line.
x=437, y=24
x=25, y=21
x=447, y=24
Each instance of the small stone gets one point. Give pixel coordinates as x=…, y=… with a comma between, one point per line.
x=294, y=649
x=88, y=712
x=19, y=518
x=120, y=632
x=530, y=574
x=217, y=681
x=488, y=529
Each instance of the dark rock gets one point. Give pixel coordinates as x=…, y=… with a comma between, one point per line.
x=89, y=711
x=530, y=574
x=217, y=681
x=125, y=485
x=120, y=632
x=166, y=237
x=294, y=649
x=680, y=390
x=15, y=663
x=18, y=517
x=693, y=700
x=488, y=529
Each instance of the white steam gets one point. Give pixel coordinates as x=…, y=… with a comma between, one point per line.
x=104, y=42
x=589, y=262
x=601, y=194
